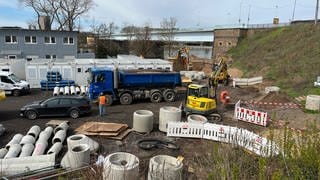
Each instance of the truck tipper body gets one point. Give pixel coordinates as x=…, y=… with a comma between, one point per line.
x=128, y=85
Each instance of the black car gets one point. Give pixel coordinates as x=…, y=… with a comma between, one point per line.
x=72, y=106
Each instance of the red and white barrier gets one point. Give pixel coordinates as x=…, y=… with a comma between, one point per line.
x=226, y=134
x=251, y=116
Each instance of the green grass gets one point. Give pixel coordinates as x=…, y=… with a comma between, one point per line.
x=288, y=56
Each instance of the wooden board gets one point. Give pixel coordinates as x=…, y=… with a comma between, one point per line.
x=106, y=127
x=83, y=129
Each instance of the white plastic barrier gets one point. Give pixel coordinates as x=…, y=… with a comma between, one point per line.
x=183, y=129
x=250, y=116
x=227, y=134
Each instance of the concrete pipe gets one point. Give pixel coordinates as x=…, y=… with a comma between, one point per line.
x=46, y=133
x=271, y=89
x=196, y=118
x=82, y=139
x=143, y=121
x=60, y=136
x=313, y=102
x=78, y=91
x=77, y=157
x=3, y=152
x=66, y=90
x=27, y=139
x=55, y=148
x=26, y=150
x=34, y=131
x=15, y=140
x=165, y=167
x=40, y=148
x=121, y=166
x=56, y=91
x=72, y=90
x=168, y=114
x=62, y=126
x=61, y=90
x=13, y=151
x=83, y=90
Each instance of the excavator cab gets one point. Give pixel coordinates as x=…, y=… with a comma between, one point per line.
x=198, y=100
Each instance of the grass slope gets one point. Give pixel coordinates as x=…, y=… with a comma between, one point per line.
x=288, y=56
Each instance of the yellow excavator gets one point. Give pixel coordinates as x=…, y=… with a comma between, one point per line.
x=181, y=62
x=201, y=99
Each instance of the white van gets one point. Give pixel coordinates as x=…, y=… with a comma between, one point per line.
x=11, y=84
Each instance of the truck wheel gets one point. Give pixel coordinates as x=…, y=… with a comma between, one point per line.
x=156, y=97
x=126, y=98
x=31, y=114
x=169, y=95
x=16, y=92
x=74, y=113
x=109, y=100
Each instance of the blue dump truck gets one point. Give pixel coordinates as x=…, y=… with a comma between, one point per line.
x=128, y=85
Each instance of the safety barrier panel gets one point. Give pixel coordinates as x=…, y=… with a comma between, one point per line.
x=226, y=134
x=247, y=81
x=183, y=129
x=251, y=116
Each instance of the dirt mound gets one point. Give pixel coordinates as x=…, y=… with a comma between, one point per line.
x=235, y=73
x=276, y=97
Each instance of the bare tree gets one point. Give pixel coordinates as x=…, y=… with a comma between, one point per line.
x=63, y=12
x=167, y=35
x=130, y=31
x=143, y=43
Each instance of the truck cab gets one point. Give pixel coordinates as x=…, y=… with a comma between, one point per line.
x=11, y=84
x=100, y=80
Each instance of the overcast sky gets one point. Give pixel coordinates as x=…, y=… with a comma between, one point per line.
x=189, y=13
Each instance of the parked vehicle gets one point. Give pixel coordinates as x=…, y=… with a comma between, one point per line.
x=72, y=106
x=128, y=85
x=11, y=84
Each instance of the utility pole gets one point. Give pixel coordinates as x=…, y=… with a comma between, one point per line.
x=240, y=14
x=294, y=9
x=316, y=15
x=248, y=16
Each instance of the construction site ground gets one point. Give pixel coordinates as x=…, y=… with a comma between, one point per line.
x=189, y=148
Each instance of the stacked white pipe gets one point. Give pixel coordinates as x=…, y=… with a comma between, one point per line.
x=168, y=114
x=121, y=166
x=42, y=142
x=70, y=90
